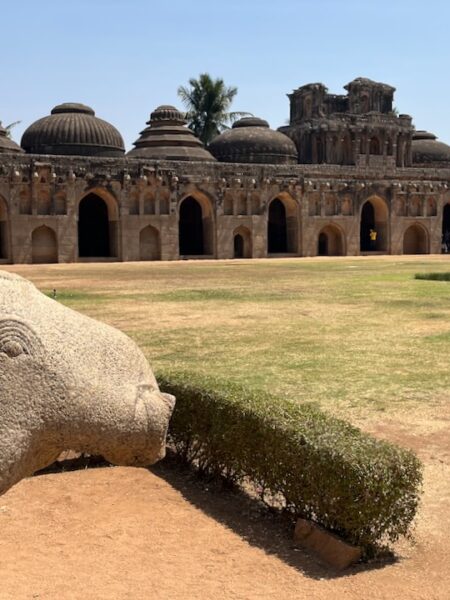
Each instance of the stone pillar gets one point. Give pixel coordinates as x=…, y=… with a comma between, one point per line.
x=322, y=203
x=408, y=154
x=400, y=151
x=328, y=147
x=157, y=200
x=356, y=143
x=314, y=157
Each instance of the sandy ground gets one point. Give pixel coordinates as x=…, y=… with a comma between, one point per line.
x=123, y=533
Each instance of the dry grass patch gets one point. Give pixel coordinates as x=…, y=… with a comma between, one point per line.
x=359, y=336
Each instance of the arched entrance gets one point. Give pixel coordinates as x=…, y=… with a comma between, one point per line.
x=330, y=242
x=374, y=216
x=322, y=249
x=277, y=228
x=44, y=246
x=149, y=245
x=282, y=225
x=195, y=227
x=238, y=246
x=415, y=240
x=97, y=228
x=242, y=243
x=446, y=229
x=191, y=228
x=4, y=238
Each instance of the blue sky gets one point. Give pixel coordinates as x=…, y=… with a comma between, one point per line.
x=124, y=58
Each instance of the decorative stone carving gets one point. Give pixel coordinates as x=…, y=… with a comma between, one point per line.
x=70, y=382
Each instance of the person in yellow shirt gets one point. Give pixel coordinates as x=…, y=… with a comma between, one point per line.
x=373, y=239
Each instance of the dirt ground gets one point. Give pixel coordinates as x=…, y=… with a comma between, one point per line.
x=123, y=533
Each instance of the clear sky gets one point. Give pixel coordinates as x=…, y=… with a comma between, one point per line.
x=125, y=57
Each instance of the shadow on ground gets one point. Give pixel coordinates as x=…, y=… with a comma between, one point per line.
x=244, y=515
x=252, y=520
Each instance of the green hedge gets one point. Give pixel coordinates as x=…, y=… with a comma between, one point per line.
x=363, y=489
x=433, y=276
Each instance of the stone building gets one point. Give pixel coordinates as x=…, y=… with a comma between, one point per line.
x=344, y=165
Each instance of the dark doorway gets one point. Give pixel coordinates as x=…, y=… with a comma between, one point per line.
x=238, y=246
x=374, y=146
x=323, y=245
x=93, y=228
x=191, y=228
x=277, y=228
x=446, y=229
x=367, y=223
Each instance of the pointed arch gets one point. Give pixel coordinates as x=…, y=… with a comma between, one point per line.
x=164, y=202
x=98, y=225
x=149, y=244
x=282, y=225
x=195, y=225
x=242, y=243
x=228, y=204
x=416, y=240
x=149, y=203
x=331, y=241
x=374, y=216
x=44, y=202
x=44, y=245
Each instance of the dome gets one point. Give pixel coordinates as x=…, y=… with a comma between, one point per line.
x=251, y=140
x=6, y=144
x=168, y=138
x=73, y=129
x=427, y=149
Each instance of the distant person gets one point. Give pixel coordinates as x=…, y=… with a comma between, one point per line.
x=373, y=239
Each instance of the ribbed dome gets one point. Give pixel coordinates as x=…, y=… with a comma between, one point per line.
x=168, y=138
x=427, y=150
x=250, y=140
x=73, y=129
x=6, y=144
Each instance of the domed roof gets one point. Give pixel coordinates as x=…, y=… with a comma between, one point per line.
x=251, y=140
x=74, y=129
x=427, y=149
x=6, y=144
x=168, y=138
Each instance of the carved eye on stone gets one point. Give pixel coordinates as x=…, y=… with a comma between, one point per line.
x=11, y=348
x=17, y=338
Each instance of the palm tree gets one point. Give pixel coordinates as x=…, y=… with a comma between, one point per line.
x=207, y=102
x=9, y=127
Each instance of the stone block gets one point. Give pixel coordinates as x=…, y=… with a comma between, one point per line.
x=328, y=547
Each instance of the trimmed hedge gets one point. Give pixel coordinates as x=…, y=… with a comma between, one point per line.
x=433, y=276
x=363, y=489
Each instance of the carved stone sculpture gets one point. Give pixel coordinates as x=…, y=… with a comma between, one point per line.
x=70, y=382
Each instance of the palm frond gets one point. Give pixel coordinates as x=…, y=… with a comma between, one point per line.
x=207, y=102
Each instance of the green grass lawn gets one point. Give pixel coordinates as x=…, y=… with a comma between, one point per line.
x=357, y=335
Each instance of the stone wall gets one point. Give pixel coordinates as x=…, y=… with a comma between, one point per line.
x=40, y=205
